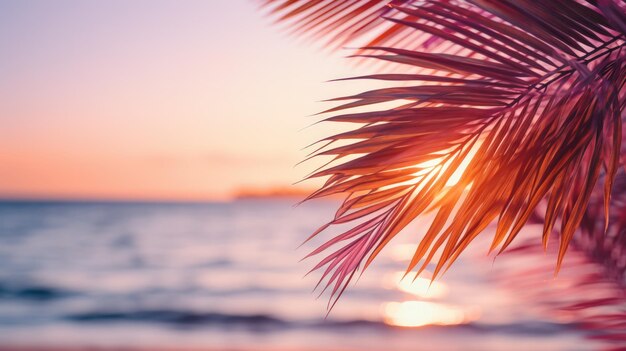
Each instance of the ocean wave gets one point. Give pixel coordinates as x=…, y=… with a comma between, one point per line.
x=32, y=292
x=177, y=317
x=182, y=318
x=271, y=322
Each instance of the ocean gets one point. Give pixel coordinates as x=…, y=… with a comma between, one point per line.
x=228, y=276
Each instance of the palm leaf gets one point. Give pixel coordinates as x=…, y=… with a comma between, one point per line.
x=590, y=291
x=339, y=22
x=605, y=243
x=528, y=94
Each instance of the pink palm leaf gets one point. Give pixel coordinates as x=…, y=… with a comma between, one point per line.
x=502, y=107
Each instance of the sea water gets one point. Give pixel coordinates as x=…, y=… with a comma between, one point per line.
x=228, y=276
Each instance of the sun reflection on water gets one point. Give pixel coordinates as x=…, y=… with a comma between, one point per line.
x=418, y=313
x=422, y=313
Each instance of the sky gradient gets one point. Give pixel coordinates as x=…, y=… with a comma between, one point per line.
x=155, y=99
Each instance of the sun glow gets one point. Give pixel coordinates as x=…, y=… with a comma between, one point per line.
x=427, y=168
x=403, y=252
x=420, y=287
x=422, y=313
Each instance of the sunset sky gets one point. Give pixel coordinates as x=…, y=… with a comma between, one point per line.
x=155, y=99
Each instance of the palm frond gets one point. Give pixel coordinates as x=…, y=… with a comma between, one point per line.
x=339, y=22
x=590, y=292
x=605, y=241
x=522, y=100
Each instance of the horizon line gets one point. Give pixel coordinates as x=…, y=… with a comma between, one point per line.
x=5, y=198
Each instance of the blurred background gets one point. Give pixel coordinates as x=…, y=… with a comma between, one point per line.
x=147, y=152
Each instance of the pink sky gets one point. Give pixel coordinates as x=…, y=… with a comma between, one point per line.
x=155, y=99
